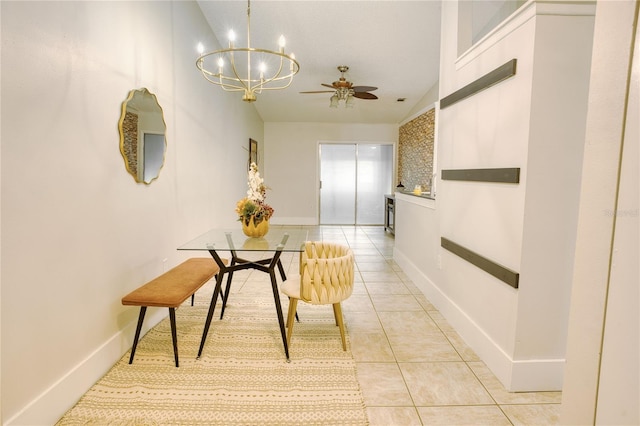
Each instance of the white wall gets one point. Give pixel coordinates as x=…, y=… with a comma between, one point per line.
x=291, y=163
x=487, y=130
x=77, y=232
x=534, y=121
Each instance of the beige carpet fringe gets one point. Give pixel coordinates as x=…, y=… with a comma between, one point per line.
x=242, y=377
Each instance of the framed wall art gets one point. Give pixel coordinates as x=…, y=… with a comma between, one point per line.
x=253, y=151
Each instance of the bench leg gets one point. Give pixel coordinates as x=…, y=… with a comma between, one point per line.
x=143, y=310
x=174, y=334
x=221, y=294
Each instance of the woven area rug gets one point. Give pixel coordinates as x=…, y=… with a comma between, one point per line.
x=242, y=377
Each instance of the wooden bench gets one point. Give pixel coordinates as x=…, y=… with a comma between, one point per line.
x=170, y=290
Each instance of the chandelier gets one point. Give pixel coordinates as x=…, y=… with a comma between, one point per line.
x=234, y=69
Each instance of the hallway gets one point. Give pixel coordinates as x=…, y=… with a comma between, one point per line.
x=413, y=367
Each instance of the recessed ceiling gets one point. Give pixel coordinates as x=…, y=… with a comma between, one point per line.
x=392, y=45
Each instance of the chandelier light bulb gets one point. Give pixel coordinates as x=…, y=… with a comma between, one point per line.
x=200, y=48
x=232, y=37
x=282, y=42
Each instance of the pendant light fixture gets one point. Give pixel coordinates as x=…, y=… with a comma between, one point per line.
x=247, y=69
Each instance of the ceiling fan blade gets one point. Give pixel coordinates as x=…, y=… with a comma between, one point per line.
x=364, y=88
x=328, y=85
x=364, y=95
x=320, y=91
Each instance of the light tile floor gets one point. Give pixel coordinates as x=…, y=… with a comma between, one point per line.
x=413, y=368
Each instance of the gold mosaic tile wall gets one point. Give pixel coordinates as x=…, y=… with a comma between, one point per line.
x=415, y=151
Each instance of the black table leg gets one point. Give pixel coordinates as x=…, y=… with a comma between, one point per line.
x=276, y=299
x=281, y=269
x=226, y=292
x=245, y=264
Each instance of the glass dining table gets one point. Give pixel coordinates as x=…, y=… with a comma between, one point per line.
x=269, y=248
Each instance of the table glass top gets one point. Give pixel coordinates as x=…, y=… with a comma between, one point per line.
x=285, y=238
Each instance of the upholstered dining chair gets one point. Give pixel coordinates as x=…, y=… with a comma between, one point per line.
x=326, y=277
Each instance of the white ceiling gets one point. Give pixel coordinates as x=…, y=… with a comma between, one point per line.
x=392, y=45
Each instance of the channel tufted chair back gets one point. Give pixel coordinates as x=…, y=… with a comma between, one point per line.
x=326, y=278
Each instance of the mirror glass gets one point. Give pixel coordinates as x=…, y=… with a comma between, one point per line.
x=142, y=135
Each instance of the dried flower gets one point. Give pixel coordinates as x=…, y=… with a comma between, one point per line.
x=254, y=203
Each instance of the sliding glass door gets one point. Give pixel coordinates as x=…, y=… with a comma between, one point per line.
x=353, y=181
x=337, y=184
x=375, y=167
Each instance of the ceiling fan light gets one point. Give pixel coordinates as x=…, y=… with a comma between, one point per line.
x=334, y=101
x=349, y=102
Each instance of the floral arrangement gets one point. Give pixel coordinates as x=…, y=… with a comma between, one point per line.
x=253, y=205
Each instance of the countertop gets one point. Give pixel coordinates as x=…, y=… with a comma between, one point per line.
x=426, y=195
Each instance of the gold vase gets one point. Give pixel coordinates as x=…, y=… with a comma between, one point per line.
x=253, y=230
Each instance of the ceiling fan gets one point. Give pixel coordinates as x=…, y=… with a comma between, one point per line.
x=344, y=90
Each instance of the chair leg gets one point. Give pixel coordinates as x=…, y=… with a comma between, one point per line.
x=337, y=310
x=297, y=319
x=293, y=304
x=335, y=314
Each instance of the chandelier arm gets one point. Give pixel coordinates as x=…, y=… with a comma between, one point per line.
x=218, y=80
x=276, y=75
x=235, y=72
x=290, y=77
x=225, y=87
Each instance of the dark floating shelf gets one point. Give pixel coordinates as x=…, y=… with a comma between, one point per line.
x=496, y=76
x=500, y=272
x=503, y=175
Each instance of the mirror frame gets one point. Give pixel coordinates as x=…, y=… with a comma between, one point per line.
x=128, y=162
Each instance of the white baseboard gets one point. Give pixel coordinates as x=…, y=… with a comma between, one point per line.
x=516, y=376
x=48, y=407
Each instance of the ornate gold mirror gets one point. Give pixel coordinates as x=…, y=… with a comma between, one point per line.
x=142, y=135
